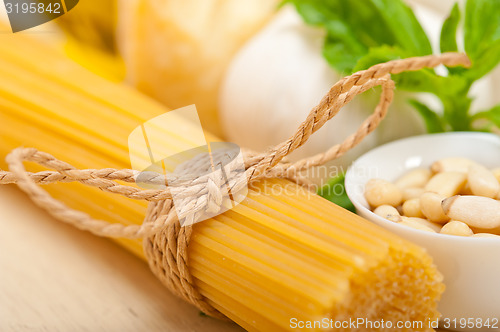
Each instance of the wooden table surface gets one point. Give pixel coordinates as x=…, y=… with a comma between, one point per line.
x=56, y=278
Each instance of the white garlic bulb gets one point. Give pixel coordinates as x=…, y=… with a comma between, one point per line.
x=280, y=75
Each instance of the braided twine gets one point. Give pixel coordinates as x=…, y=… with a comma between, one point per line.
x=165, y=240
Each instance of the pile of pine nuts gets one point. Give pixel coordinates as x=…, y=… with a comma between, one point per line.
x=456, y=196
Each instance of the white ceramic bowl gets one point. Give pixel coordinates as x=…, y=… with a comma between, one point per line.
x=471, y=266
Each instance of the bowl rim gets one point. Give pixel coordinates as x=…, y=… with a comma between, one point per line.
x=387, y=224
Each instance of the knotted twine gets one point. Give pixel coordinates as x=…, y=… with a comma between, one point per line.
x=165, y=240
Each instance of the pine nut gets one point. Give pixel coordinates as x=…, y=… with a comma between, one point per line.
x=430, y=204
x=457, y=192
x=486, y=235
x=456, y=227
x=466, y=190
x=482, y=181
x=421, y=221
x=416, y=225
x=388, y=212
x=415, y=178
x=412, y=192
x=446, y=183
x=475, y=211
x=452, y=164
x=381, y=192
x=411, y=208
x=496, y=173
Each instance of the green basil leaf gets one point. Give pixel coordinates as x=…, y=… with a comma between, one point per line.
x=484, y=61
x=378, y=55
x=361, y=33
x=340, y=57
x=492, y=115
x=482, y=36
x=456, y=107
x=314, y=12
x=342, y=49
x=448, y=38
x=433, y=122
x=424, y=80
x=347, y=24
x=420, y=81
x=368, y=25
x=335, y=192
x=353, y=27
x=404, y=25
x=481, y=27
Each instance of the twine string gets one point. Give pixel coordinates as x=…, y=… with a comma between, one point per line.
x=165, y=241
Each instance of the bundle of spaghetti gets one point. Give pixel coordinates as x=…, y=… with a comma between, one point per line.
x=282, y=255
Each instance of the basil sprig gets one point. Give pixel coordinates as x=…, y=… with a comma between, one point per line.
x=361, y=33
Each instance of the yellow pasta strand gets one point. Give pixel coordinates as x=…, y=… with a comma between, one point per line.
x=282, y=253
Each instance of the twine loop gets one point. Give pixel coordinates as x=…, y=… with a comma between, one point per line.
x=165, y=241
